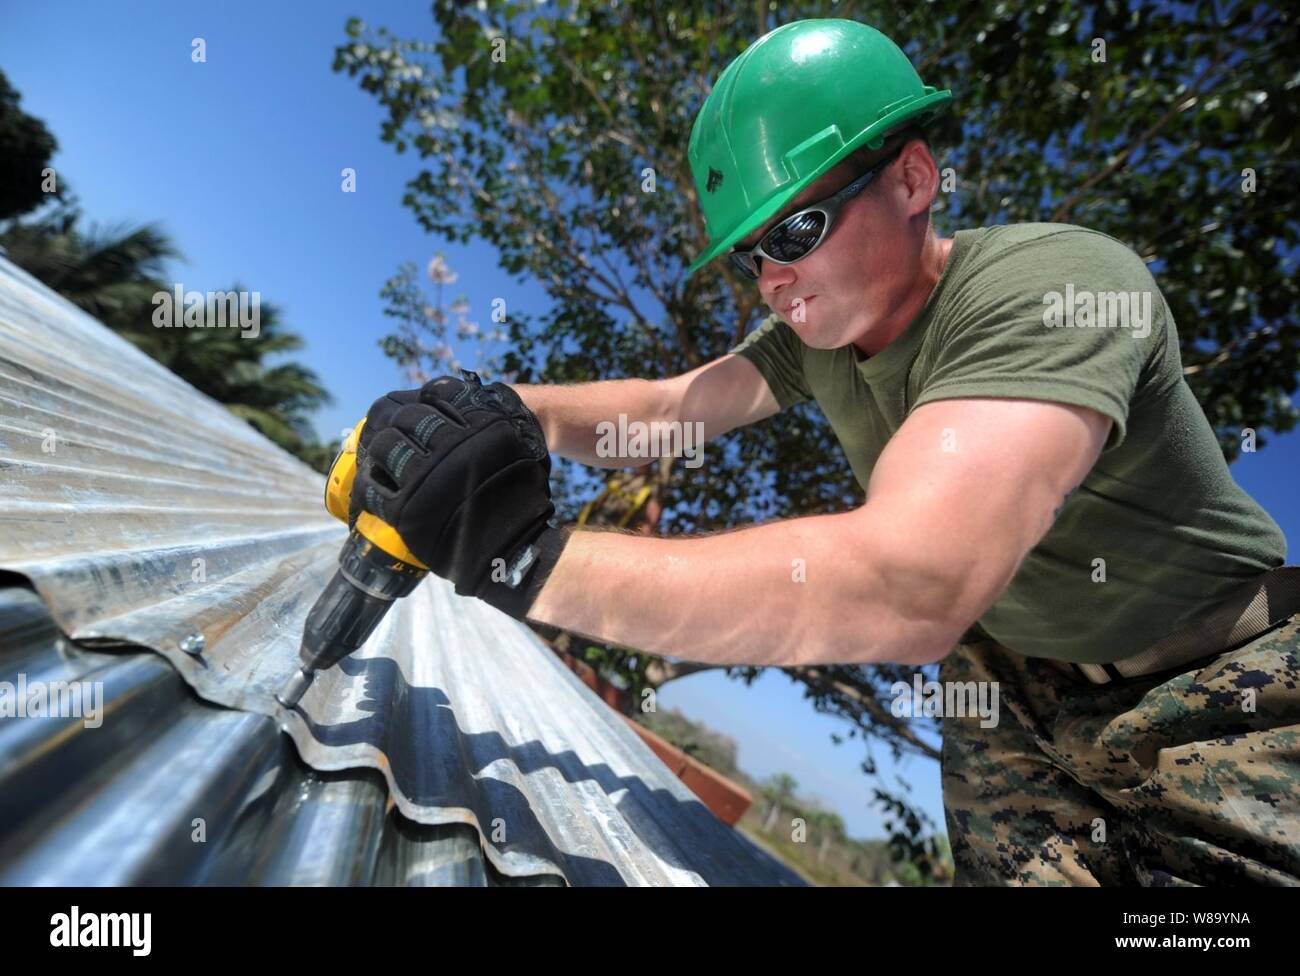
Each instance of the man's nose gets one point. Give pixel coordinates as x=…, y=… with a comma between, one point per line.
x=772, y=276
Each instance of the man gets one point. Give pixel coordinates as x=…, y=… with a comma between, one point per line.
x=1047, y=508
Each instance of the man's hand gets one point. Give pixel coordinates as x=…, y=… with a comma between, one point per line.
x=462, y=472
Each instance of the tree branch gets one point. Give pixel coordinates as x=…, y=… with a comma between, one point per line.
x=1180, y=105
x=817, y=678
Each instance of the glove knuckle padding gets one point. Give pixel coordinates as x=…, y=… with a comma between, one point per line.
x=440, y=388
x=428, y=427
x=393, y=452
x=382, y=411
x=477, y=502
x=461, y=470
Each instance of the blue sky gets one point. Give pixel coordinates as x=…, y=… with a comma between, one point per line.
x=239, y=160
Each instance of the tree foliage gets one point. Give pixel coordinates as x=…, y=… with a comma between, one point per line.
x=26, y=148
x=113, y=273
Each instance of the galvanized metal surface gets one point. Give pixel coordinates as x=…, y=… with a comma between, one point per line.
x=175, y=791
x=145, y=514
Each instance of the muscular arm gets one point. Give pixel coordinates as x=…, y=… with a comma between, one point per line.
x=773, y=594
x=960, y=495
x=569, y=415
x=723, y=394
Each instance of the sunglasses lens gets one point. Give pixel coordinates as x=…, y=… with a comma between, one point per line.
x=747, y=264
x=786, y=242
x=796, y=237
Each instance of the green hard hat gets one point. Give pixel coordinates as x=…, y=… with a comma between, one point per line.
x=791, y=106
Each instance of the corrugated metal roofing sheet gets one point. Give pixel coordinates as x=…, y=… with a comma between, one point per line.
x=453, y=748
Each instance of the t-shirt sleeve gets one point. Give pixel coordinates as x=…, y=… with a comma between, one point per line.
x=777, y=352
x=1074, y=317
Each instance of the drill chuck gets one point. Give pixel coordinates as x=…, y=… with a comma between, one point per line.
x=362, y=591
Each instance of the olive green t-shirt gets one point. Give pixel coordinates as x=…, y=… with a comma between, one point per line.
x=1158, y=531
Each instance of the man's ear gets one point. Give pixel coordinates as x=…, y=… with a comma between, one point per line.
x=919, y=175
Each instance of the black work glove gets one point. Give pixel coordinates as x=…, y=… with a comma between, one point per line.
x=462, y=472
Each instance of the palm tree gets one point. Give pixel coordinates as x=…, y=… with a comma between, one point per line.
x=234, y=370
x=778, y=790
x=111, y=273
x=26, y=147
x=114, y=274
x=830, y=829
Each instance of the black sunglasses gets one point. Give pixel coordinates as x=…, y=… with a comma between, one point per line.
x=794, y=238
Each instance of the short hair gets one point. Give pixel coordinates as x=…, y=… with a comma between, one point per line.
x=863, y=158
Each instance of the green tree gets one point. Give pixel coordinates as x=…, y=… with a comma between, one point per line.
x=26, y=148
x=250, y=376
x=778, y=791
x=921, y=856
x=829, y=830
x=114, y=274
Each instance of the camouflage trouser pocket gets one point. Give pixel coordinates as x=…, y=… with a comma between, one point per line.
x=1220, y=801
x=1014, y=815
x=1190, y=778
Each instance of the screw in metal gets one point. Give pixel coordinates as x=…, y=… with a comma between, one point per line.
x=192, y=644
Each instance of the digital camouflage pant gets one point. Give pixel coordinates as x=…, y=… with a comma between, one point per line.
x=1189, y=777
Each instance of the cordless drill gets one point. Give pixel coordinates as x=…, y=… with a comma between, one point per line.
x=375, y=570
